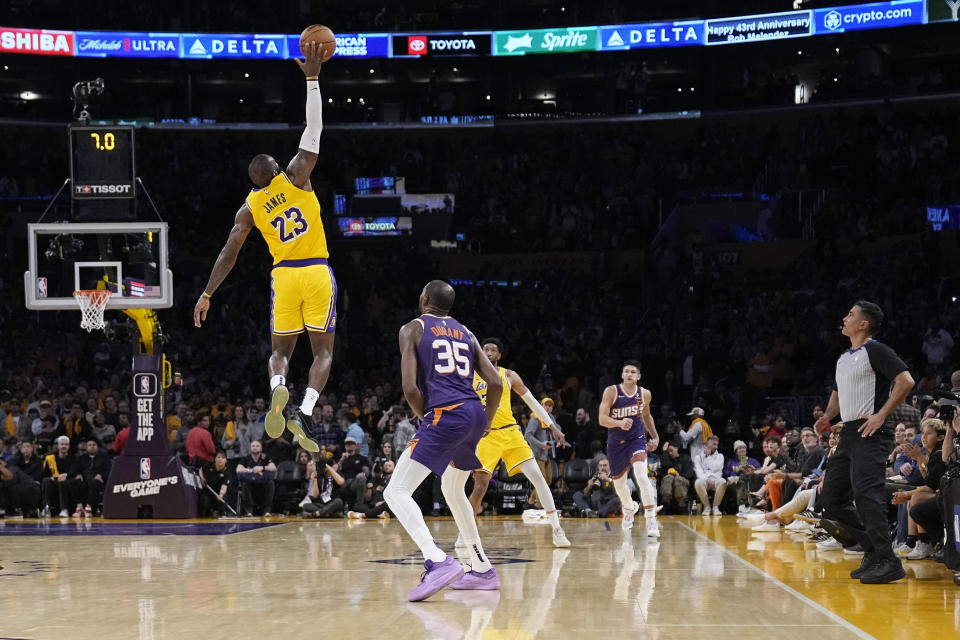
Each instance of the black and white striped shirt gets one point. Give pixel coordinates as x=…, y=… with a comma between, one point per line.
x=864, y=377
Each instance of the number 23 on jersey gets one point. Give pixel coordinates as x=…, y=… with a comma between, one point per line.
x=300, y=225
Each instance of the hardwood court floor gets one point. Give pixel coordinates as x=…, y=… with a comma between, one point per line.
x=708, y=579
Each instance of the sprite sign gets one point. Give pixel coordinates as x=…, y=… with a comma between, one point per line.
x=562, y=40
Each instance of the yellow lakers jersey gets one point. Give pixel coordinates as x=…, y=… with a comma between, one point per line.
x=289, y=219
x=504, y=416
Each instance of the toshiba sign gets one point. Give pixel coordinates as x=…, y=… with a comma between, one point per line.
x=36, y=41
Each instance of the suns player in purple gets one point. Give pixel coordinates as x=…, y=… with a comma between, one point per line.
x=625, y=412
x=438, y=358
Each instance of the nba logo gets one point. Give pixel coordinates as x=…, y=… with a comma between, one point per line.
x=144, y=468
x=145, y=385
x=416, y=45
x=41, y=287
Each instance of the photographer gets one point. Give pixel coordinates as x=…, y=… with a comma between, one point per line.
x=599, y=496
x=323, y=491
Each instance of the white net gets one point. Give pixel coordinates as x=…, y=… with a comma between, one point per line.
x=92, y=305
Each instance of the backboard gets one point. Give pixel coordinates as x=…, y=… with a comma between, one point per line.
x=129, y=258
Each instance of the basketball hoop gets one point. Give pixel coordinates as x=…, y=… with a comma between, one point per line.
x=92, y=305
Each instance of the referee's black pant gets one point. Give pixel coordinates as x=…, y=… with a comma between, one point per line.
x=853, y=491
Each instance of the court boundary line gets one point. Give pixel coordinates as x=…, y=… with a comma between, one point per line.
x=843, y=622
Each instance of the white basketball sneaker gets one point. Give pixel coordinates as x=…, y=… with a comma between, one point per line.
x=653, y=528
x=628, y=514
x=560, y=538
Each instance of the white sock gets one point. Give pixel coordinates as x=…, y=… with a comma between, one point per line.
x=647, y=494
x=452, y=484
x=277, y=381
x=620, y=486
x=531, y=469
x=407, y=476
x=309, y=401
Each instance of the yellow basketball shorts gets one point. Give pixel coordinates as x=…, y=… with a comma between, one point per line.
x=507, y=444
x=303, y=295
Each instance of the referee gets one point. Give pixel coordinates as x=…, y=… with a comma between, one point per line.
x=864, y=399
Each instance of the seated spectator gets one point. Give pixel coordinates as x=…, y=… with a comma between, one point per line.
x=199, y=444
x=352, y=429
x=373, y=504
x=379, y=461
x=75, y=425
x=255, y=474
x=904, y=469
x=929, y=459
x=709, y=469
x=55, y=488
x=122, y=436
x=596, y=455
x=19, y=493
x=773, y=460
x=103, y=432
x=47, y=435
x=598, y=498
x=676, y=475
x=738, y=468
x=931, y=514
x=239, y=433
x=354, y=468
x=323, y=491
x=782, y=484
x=15, y=420
x=87, y=477
x=329, y=432
x=279, y=449
x=27, y=461
x=803, y=501
x=220, y=489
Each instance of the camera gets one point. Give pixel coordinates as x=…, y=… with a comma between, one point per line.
x=947, y=402
x=83, y=93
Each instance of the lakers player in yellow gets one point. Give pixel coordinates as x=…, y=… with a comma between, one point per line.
x=505, y=441
x=284, y=208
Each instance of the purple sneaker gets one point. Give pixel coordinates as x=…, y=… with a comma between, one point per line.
x=486, y=581
x=436, y=577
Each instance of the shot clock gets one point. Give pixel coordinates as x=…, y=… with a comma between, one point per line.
x=101, y=162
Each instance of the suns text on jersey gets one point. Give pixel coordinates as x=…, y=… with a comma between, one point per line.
x=625, y=412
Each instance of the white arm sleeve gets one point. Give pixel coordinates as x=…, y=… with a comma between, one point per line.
x=537, y=409
x=310, y=140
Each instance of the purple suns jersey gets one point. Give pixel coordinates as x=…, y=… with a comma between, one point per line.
x=445, y=362
x=627, y=407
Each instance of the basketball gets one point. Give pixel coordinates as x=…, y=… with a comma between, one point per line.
x=323, y=36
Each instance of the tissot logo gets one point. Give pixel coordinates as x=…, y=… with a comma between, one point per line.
x=102, y=189
x=416, y=45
